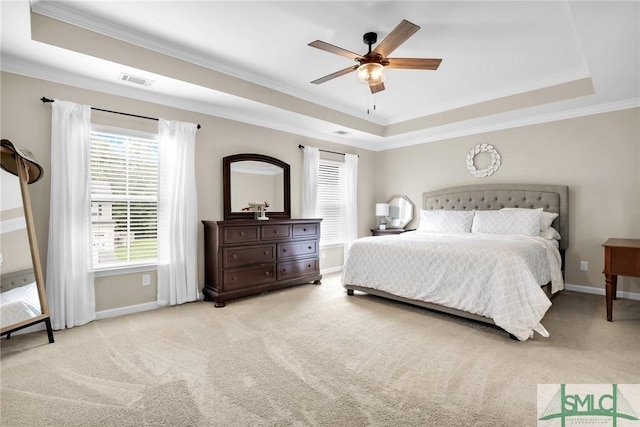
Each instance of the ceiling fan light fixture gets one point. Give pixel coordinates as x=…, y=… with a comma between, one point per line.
x=370, y=73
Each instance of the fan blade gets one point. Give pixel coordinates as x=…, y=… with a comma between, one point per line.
x=377, y=88
x=414, y=63
x=399, y=35
x=334, y=49
x=336, y=74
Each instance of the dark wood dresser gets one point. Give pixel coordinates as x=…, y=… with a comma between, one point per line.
x=247, y=257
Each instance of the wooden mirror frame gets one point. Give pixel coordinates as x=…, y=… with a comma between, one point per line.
x=226, y=182
x=35, y=260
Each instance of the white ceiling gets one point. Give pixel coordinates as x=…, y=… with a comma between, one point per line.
x=500, y=60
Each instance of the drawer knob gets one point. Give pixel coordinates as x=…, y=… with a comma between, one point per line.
x=242, y=233
x=309, y=266
x=266, y=252
x=304, y=229
x=234, y=256
x=234, y=278
x=310, y=247
x=275, y=231
x=284, y=250
x=284, y=270
x=266, y=273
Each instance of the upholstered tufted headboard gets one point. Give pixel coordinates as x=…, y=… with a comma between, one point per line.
x=16, y=279
x=552, y=198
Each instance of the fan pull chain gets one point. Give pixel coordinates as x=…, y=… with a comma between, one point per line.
x=374, y=104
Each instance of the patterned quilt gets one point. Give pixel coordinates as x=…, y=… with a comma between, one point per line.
x=496, y=276
x=19, y=304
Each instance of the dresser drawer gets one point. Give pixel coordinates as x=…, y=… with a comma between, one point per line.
x=297, y=249
x=246, y=234
x=298, y=268
x=306, y=230
x=249, y=276
x=244, y=255
x=247, y=256
x=276, y=232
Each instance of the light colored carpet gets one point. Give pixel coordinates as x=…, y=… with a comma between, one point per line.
x=310, y=355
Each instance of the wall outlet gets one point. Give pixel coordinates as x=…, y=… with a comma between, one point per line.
x=146, y=280
x=584, y=265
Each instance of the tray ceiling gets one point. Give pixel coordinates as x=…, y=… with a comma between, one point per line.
x=505, y=63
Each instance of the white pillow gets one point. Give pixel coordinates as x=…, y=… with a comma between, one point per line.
x=545, y=220
x=550, y=234
x=526, y=222
x=445, y=221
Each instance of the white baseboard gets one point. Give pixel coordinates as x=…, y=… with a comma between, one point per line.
x=331, y=270
x=130, y=309
x=138, y=308
x=601, y=291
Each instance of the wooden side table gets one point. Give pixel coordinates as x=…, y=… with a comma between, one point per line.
x=388, y=231
x=621, y=258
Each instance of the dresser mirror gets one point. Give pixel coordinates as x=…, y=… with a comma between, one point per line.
x=250, y=179
x=23, y=300
x=400, y=212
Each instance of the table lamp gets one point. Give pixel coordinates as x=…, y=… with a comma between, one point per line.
x=382, y=210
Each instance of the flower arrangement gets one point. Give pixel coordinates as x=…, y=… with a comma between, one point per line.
x=259, y=208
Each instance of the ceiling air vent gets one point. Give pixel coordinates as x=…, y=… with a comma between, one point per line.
x=135, y=79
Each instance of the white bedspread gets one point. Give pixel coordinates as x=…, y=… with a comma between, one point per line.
x=19, y=304
x=496, y=276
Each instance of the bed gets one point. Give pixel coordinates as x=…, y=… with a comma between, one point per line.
x=19, y=300
x=502, y=279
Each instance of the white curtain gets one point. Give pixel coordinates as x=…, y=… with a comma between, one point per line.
x=69, y=280
x=310, y=170
x=177, y=213
x=351, y=201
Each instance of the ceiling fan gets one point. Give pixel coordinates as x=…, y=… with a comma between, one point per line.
x=371, y=64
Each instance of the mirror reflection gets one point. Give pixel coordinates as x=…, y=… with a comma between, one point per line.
x=400, y=212
x=19, y=300
x=253, y=181
x=249, y=180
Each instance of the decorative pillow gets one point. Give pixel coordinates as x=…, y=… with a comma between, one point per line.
x=526, y=222
x=550, y=234
x=445, y=221
x=546, y=219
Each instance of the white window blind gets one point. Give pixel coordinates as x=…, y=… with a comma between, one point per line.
x=330, y=202
x=124, y=198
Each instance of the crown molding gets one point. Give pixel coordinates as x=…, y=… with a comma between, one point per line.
x=61, y=12
x=364, y=141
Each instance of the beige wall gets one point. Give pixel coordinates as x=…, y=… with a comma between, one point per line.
x=248, y=187
x=16, y=251
x=27, y=122
x=597, y=156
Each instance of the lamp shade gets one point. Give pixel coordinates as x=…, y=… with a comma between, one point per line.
x=382, y=209
x=370, y=73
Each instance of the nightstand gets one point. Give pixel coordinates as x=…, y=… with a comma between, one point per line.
x=621, y=258
x=388, y=231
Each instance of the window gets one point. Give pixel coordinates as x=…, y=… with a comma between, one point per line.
x=330, y=203
x=124, y=198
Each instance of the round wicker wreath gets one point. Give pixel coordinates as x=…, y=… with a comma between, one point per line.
x=493, y=165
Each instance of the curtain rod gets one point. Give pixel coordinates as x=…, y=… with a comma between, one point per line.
x=45, y=100
x=300, y=146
